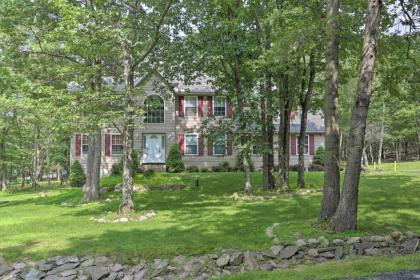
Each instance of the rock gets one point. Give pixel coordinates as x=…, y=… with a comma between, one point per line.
x=411, y=245
x=116, y=267
x=123, y=220
x=223, y=260
x=396, y=234
x=18, y=266
x=236, y=258
x=269, y=232
x=179, y=261
x=313, y=242
x=288, y=252
x=323, y=242
x=338, y=242
x=339, y=253
x=410, y=234
x=32, y=274
x=313, y=253
x=4, y=268
x=374, y=252
x=69, y=273
x=377, y=238
x=160, y=264
x=97, y=272
x=45, y=267
x=276, y=241
x=300, y=243
x=101, y=260
x=328, y=255
x=68, y=259
x=266, y=267
x=267, y=255
x=62, y=268
x=2, y=260
x=104, y=190
x=353, y=240
x=275, y=249
x=193, y=266
x=389, y=239
x=250, y=263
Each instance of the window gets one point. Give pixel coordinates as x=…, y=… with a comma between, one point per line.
x=85, y=144
x=219, y=147
x=191, y=144
x=116, y=144
x=256, y=150
x=191, y=106
x=219, y=106
x=306, y=145
x=155, y=109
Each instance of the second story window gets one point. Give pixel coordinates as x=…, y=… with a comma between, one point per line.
x=219, y=106
x=191, y=144
x=155, y=109
x=85, y=144
x=116, y=144
x=191, y=106
x=219, y=147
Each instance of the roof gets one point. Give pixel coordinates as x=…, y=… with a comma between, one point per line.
x=202, y=84
x=314, y=124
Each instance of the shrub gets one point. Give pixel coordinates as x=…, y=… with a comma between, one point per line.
x=294, y=167
x=216, y=168
x=77, y=175
x=316, y=167
x=319, y=157
x=204, y=169
x=174, y=161
x=240, y=165
x=117, y=168
x=148, y=173
x=192, y=168
x=224, y=166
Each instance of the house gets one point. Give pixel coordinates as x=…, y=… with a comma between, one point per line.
x=170, y=121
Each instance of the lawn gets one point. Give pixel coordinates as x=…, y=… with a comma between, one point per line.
x=201, y=220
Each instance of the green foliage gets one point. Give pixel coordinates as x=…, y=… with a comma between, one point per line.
x=192, y=168
x=319, y=157
x=240, y=163
x=174, y=162
x=77, y=176
x=117, y=168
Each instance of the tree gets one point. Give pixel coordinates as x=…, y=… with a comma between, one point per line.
x=77, y=176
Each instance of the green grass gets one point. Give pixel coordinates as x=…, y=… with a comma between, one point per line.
x=200, y=220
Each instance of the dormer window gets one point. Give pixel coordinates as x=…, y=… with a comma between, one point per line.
x=219, y=107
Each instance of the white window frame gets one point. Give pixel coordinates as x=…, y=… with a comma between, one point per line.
x=112, y=152
x=164, y=106
x=214, y=102
x=185, y=105
x=297, y=145
x=214, y=146
x=84, y=144
x=185, y=144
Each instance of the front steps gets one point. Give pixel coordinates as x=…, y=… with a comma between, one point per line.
x=154, y=167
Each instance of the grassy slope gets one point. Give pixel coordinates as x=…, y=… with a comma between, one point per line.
x=195, y=221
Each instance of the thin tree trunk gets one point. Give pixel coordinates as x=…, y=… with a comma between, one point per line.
x=22, y=184
x=36, y=158
x=381, y=136
x=365, y=161
x=127, y=201
x=331, y=191
x=346, y=216
x=3, y=185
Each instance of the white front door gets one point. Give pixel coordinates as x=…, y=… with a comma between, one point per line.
x=153, y=148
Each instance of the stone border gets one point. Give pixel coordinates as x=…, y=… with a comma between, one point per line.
x=148, y=215
x=243, y=197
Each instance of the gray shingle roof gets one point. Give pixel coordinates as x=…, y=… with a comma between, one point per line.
x=314, y=124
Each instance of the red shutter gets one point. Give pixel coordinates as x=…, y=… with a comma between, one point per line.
x=228, y=108
x=200, y=145
x=311, y=144
x=181, y=106
x=107, y=145
x=78, y=146
x=229, y=145
x=293, y=144
x=209, y=146
x=209, y=106
x=181, y=143
x=200, y=107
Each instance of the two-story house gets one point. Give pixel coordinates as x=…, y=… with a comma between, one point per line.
x=171, y=119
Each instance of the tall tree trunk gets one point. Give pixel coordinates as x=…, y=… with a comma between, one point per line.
x=346, y=216
x=271, y=182
x=36, y=158
x=3, y=185
x=304, y=100
x=365, y=161
x=381, y=136
x=331, y=191
x=22, y=173
x=127, y=201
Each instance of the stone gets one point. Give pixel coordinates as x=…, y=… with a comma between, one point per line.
x=179, y=261
x=410, y=234
x=288, y=252
x=374, y=252
x=97, y=272
x=45, y=267
x=236, y=258
x=411, y=245
x=269, y=232
x=313, y=253
x=338, y=242
x=266, y=267
x=2, y=260
x=326, y=249
x=69, y=273
x=62, y=268
x=116, y=267
x=250, y=263
x=323, y=242
x=313, y=242
x=193, y=266
x=32, y=274
x=328, y=255
x=123, y=220
x=353, y=240
x=396, y=234
x=18, y=266
x=339, y=253
x=68, y=259
x=104, y=190
x=300, y=243
x=101, y=260
x=389, y=239
x=268, y=255
x=223, y=260
x=377, y=238
x=275, y=249
x=160, y=264
x=4, y=268
x=276, y=241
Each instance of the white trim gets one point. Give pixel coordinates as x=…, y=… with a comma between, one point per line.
x=110, y=143
x=214, y=153
x=185, y=105
x=213, y=101
x=143, y=145
x=81, y=144
x=164, y=107
x=185, y=144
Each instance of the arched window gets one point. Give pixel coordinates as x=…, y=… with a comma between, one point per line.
x=155, y=111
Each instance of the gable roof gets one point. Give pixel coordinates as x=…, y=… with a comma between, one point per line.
x=314, y=124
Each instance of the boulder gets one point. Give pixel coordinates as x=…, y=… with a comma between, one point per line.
x=396, y=234
x=288, y=252
x=338, y=242
x=160, y=264
x=117, y=267
x=410, y=234
x=223, y=260
x=275, y=249
x=339, y=252
x=4, y=268
x=377, y=238
x=313, y=253
x=323, y=242
x=62, y=268
x=313, y=242
x=250, y=263
x=411, y=245
x=97, y=272
x=328, y=255
x=68, y=273
x=300, y=243
x=353, y=240
x=236, y=258
x=266, y=267
x=32, y=274
x=193, y=266
x=68, y=259
x=374, y=252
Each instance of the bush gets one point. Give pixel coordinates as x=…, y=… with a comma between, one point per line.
x=224, y=166
x=294, y=167
x=240, y=165
x=216, y=168
x=204, y=169
x=117, y=168
x=316, y=167
x=148, y=173
x=319, y=157
x=192, y=168
x=77, y=175
x=174, y=161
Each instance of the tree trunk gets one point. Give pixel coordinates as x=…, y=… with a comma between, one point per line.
x=35, y=159
x=22, y=184
x=346, y=216
x=381, y=136
x=3, y=185
x=127, y=201
x=91, y=188
x=365, y=161
x=331, y=191
x=305, y=99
